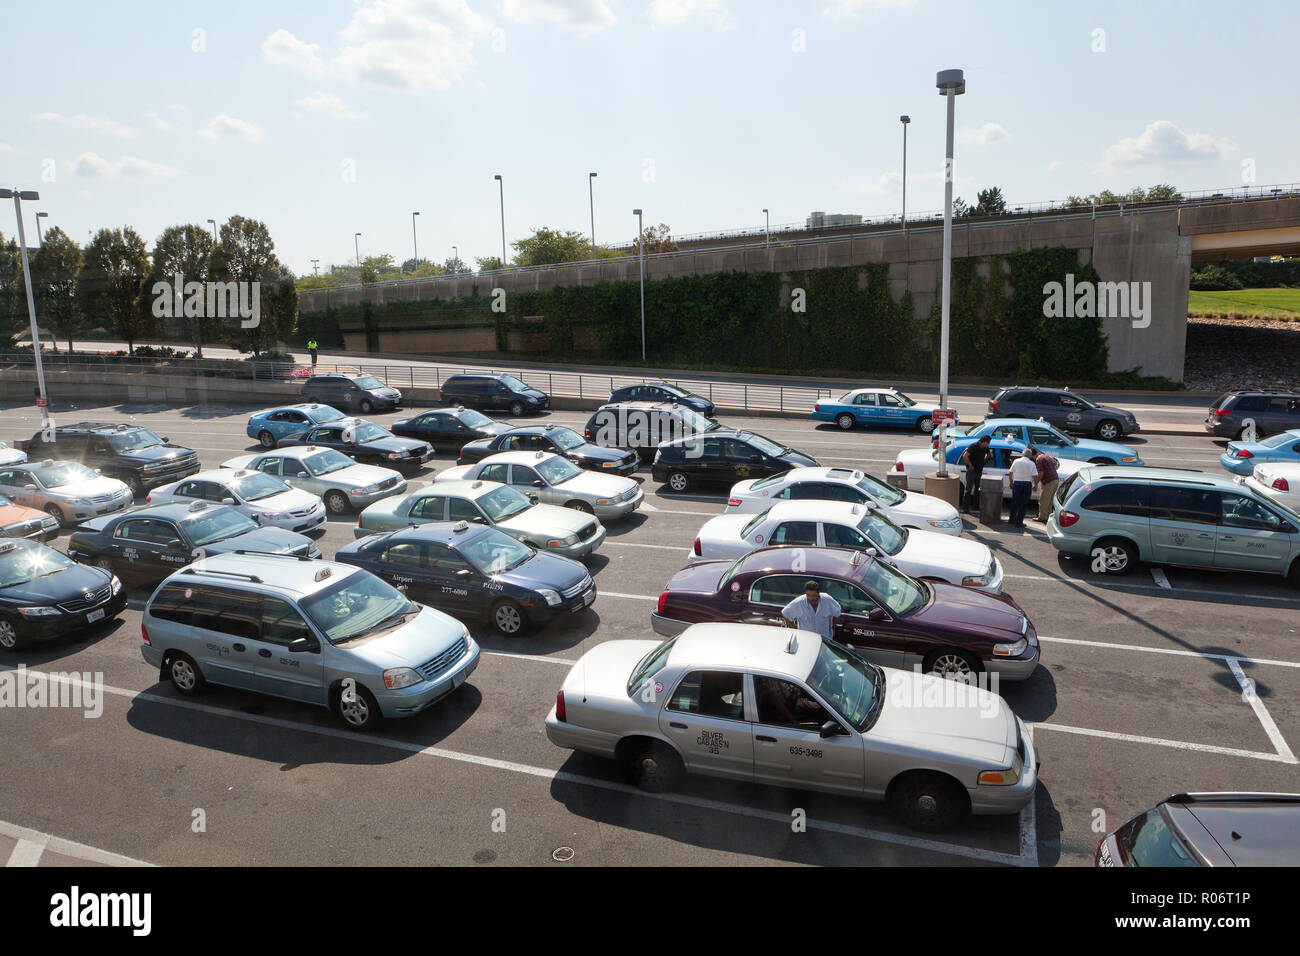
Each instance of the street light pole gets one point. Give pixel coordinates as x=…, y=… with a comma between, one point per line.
x=640, y=242
x=356, y=246
x=591, y=196
x=951, y=84
x=502, y=185
x=455, y=257
x=767, y=226
x=18, y=195
x=904, y=120
x=40, y=240
x=415, y=240
x=213, y=223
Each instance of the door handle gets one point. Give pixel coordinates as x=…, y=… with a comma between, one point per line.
x=238, y=647
x=263, y=652
x=676, y=726
x=1204, y=535
x=765, y=738
x=1227, y=537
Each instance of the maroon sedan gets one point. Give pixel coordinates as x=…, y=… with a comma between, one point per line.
x=888, y=617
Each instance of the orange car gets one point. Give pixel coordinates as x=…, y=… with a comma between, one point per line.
x=19, y=521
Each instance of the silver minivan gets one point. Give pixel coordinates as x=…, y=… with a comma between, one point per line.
x=314, y=631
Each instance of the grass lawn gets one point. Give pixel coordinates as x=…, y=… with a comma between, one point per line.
x=1247, y=303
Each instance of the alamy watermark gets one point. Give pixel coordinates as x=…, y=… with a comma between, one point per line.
x=36, y=690
x=1093, y=300
x=208, y=300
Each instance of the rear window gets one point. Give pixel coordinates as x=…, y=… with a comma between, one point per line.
x=650, y=665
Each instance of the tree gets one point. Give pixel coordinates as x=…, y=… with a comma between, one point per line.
x=1163, y=191
x=959, y=208
x=247, y=254
x=489, y=263
x=658, y=239
x=114, y=269
x=13, y=304
x=185, y=251
x=989, y=202
x=455, y=266
x=55, y=268
x=548, y=247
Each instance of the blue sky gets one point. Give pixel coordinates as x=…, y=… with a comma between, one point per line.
x=700, y=111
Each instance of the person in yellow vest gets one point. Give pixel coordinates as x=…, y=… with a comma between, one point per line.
x=311, y=350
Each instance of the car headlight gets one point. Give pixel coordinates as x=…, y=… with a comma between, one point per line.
x=398, y=677
x=396, y=454
x=1130, y=458
x=80, y=502
x=116, y=584
x=532, y=401
x=1001, y=778
x=562, y=542
x=551, y=597
x=39, y=611
x=602, y=501
x=1010, y=650
x=979, y=580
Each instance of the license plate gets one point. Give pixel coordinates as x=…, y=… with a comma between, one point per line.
x=94, y=616
x=457, y=679
x=588, y=598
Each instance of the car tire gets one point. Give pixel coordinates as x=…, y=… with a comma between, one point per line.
x=952, y=664
x=336, y=502
x=679, y=481
x=104, y=563
x=1109, y=430
x=580, y=506
x=926, y=425
x=9, y=639
x=1101, y=461
x=184, y=674
x=1113, y=556
x=508, y=618
x=366, y=406
x=928, y=801
x=653, y=766
x=266, y=439
x=845, y=421
x=134, y=483
x=516, y=409
x=55, y=512
x=1294, y=577
x=361, y=714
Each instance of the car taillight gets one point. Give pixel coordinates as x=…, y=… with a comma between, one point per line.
x=1066, y=518
x=303, y=390
x=898, y=465
x=733, y=502
x=148, y=498
x=697, y=548
x=1244, y=453
x=1220, y=412
x=993, y=405
x=250, y=421
x=817, y=406
x=663, y=599
x=586, y=433
x=559, y=706
x=144, y=634
x=1280, y=484
x=934, y=443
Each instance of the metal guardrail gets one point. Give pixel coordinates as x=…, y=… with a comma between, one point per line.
x=732, y=396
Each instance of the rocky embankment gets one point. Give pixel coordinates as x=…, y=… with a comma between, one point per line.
x=1259, y=354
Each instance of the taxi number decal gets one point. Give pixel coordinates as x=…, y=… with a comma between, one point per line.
x=130, y=553
x=863, y=632
x=713, y=741
x=493, y=586
x=806, y=752
x=288, y=662
x=461, y=592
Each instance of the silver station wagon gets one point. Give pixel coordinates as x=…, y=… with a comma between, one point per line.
x=780, y=706
x=556, y=481
x=328, y=474
x=314, y=631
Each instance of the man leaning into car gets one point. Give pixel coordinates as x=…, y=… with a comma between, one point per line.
x=813, y=611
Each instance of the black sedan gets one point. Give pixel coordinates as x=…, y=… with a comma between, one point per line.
x=45, y=594
x=367, y=442
x=450, y=427
x=473, y=571
x=662, y=392
x=559, y=441
x=150, y=543
x=723, y=457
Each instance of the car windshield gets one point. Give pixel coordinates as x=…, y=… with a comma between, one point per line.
x=1082, y=401
x=675, y=391
x=650, y=665
x=368, y=381
x=880, y=491
x=62, y=473
x=754, y=522
x=368, y=432
x=134, y=441
x=217, y=524
x=883, y=533
x=1148, y=841
x=494, y=552
x=695, y=423
x=566, y=438
x=502, y=503
x=258, y=486
x=735, y=566
x=359, y=604
x=770, y=480
x=904, y=400
x=473, y=419
x=556, y=470
x=764, y=445
x=23, y=561
x=847, y=682
x=513, y=383
x=894, y=589
x=327, y=462
x=324, y=414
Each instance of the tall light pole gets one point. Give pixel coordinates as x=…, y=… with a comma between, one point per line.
x=640, y=243
x=502, y=185
x=40, y=240
x=31, y=195
x=951, y=84
x=767, y=226
x=356, y=246
x=455, y=257
x=904, y=120
x=415, y=241
x=213, y=224
x=591, y=197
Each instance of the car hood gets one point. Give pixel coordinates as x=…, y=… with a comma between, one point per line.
x=932, y=549
x=545, y=570
x=239, y=462
x=927, y=507
x=157, y=453
x=62, y=585
x=385, y=445
x=478, y=444
x=967, y=723
x=604, y=670
x=12, y=456
x=1117, y=412
x=600, y=453
x=595, y=484
x=359, y=476
x=532, y=393
x=550, y=520
x=970, y=611
x=294, y=499
x=798, y=459
x=99, y=485
x=1108, y=448
x=416, y=642
x=275, y=540
x=16, y=514
x=383, y=510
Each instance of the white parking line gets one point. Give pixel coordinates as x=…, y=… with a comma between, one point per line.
x=635, y=597
x=1265, y=718
x=1029, y=824
x=657, y=547
x=46, y=841
x=1174, y=744
x=1161, y=581
x=26, y=853
x=1177, y=652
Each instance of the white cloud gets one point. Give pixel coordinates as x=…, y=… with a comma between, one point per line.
x=891, y=184
x=983, y=136
x=1162, y=142
x=178, y=107
x=584, y=16
x=158, y=122
x=1056, y=164
x=330, y=105
x=95, y=124
x=229, y=127
x=284, y=49
x=849, y=9
x=94, y=166
x=674, y=13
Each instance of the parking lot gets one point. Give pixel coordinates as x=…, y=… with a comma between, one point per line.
x=1166, y=680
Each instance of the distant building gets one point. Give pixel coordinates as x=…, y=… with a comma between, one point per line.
x=819, y=220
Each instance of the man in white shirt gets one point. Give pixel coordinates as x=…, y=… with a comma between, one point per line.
x=813, y=611
x=1023, y=475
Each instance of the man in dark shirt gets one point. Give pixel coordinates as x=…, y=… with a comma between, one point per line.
x=974, y=457
x=1047, y=481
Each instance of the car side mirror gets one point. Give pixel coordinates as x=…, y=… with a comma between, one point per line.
x=227, y=501
x=29, y=487
x=755, y=457
x=98, y=472
x=832, y=728
x=538, y=483
x=173, y=543
x=876, y=615
x=166, y=439
x=1288, y=528
x=464, y=573
x=304, y=645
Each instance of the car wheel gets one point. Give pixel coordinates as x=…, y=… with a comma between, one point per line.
x=1109, y=430
x=336, y=502
x=679, y=481
x=581, y=506
x=359, y=713
x=134, y=483
x=266, y=439
x=1113, y=556
x=653, y=766
x=184, y=674
x=1101, y=461
x=508, y=618
x=953, y=665
x=1294, y=577
x=366, y=406
x=845, y=421
x=104, y=563
x=8, y=634
x=516, y=409
x=928, y=801
x=55, y=512
x=926, y=424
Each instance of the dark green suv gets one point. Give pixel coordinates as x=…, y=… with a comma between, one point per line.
x=129, y=453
